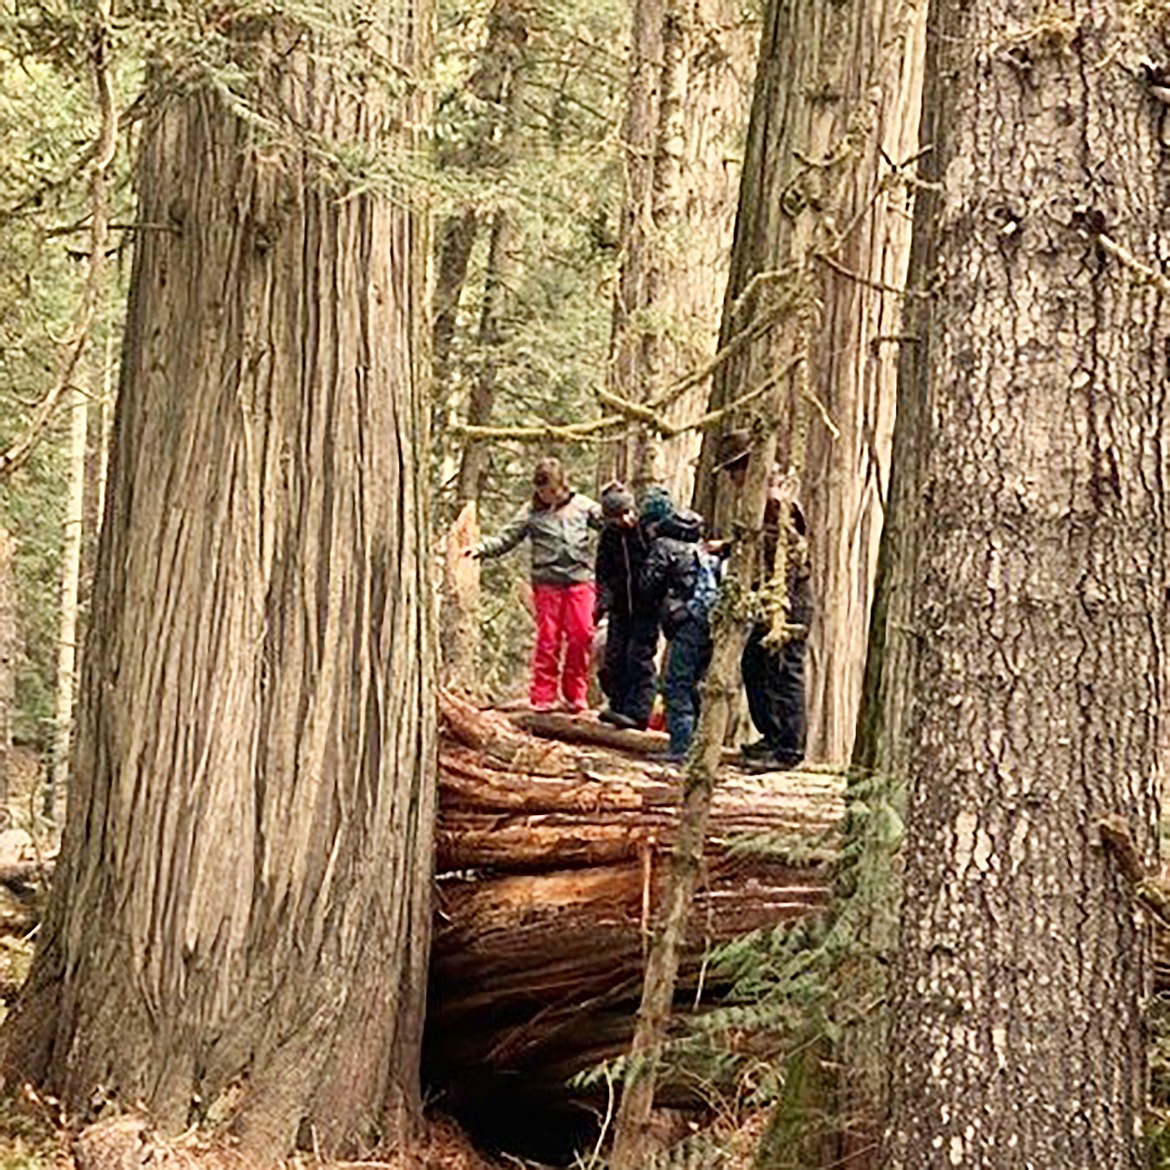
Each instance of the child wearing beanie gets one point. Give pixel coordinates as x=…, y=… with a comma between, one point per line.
x=631, y=640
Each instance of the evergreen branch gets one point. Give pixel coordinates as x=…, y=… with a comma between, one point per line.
x=31, y=202
x=103, y=149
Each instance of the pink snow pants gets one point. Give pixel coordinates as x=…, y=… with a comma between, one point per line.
x=564, y=624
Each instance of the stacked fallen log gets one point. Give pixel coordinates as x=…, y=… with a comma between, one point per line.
x=552, y=862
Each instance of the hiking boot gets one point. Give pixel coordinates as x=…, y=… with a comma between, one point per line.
x=760, y=750
x=771, y=763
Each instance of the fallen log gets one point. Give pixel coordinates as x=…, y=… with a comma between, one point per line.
x=549, y=886
x=609, y=811
x=586, y=728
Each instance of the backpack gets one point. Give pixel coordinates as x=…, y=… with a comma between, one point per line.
x=705, y=592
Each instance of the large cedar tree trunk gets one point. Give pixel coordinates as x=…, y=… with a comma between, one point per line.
x=241, y=917
x=1039, y=593
x=687, y=102
x=847, y=463
x=823, y=237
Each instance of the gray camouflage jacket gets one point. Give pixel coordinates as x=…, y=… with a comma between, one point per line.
x=559, y=539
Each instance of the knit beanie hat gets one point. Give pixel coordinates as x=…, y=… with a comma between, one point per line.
x=616, y=501
x=656, y=505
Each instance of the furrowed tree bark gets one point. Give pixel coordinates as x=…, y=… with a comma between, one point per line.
x=855, y=362
x=240, y=919
x=879, y=764
x=687, y=101
x=1039, y=595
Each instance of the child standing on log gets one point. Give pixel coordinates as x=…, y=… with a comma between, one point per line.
x=556, y=523
x=681, y=578
x=631, y=638
x=773, y=658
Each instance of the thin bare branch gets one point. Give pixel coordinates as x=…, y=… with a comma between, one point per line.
x=1144, y=272
x=593, y=430
x=880, y=286
x=104, y=148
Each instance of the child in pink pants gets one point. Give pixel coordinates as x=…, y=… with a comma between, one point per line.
x=556, y=523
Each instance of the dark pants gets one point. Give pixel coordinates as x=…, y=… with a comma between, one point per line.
x=774, y=680
x=686, y=663
x=630, y=646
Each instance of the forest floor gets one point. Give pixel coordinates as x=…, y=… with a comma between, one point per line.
x=40, y=1145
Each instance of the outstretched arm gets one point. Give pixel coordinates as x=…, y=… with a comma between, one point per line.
x=507, y=538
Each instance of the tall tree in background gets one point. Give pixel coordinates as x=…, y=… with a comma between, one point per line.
x=1033, y=735
x=70, y=597
x=486, y=146
x=57, y=196
x=825, y=203
x=525, y=326
x=687, y=101
x=240, y=919
x=855, y=361
x=815, y=124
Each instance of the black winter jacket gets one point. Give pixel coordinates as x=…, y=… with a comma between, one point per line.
x=621, y=555
x=670, y=574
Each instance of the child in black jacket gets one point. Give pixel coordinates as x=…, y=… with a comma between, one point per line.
x=631, y=640
x=681, y=578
